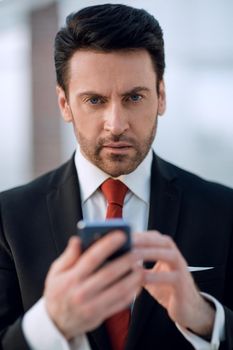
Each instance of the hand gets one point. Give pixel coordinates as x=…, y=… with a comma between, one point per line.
x=172, y=285
x=79, y=296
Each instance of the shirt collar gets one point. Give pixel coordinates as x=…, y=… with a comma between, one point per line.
x=91, y=177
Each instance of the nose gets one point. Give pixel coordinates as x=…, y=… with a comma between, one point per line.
x=116, y=119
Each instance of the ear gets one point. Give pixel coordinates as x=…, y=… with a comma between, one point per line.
x=63, y=104
x=162, y=98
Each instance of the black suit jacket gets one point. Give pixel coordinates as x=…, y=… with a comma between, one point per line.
x=36, y=221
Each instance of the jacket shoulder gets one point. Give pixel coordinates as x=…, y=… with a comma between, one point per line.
x=193, y=183
x=41, y=185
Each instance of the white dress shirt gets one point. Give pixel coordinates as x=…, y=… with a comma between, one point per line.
x=40, y=332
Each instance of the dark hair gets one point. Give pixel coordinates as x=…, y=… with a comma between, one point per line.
x=108, y=28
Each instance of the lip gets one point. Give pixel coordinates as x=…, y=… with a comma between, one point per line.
x=119, y=148
x=117, y=145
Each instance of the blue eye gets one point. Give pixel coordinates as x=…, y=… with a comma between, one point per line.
x=95, y=100
x=135, y=98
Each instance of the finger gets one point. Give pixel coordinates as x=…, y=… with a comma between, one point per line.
x=152, y=238
x=107, y=275
x=161, y=278
x=122, y=294
x=97, y=254
x=172, y=257
x=117, y=297
x=69, y=257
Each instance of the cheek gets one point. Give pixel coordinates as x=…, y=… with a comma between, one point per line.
x=144, y=125
x=144, y=117
x=89, y=128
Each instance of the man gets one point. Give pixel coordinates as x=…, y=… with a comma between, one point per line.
x=110, y=62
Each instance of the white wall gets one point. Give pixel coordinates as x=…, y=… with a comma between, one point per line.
x=15, y=126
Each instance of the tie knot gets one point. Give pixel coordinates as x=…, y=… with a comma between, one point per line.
x=114, y=191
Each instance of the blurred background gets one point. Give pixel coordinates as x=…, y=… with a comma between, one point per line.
x=196, y=132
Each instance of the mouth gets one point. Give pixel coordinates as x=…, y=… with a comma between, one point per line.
x=119, y=144
x=117, y=147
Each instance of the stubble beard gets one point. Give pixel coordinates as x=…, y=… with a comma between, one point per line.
x=115, y=164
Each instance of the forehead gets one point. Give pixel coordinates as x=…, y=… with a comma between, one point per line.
x=116, y=69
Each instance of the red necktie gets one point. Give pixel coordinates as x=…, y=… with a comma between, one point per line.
x=118, y=324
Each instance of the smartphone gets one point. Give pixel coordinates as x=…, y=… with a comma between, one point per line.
x=90, y=232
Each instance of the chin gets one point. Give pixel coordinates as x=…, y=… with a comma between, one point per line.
x=116, y=164
x=119, y=169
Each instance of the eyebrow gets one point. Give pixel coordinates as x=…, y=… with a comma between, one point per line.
x=134, y=90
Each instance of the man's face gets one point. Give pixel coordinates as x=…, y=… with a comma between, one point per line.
x=113, y=104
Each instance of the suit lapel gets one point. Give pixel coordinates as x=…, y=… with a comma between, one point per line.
x=64, y=205
x=142, y=309
x=165, y=201
x=99, y=339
